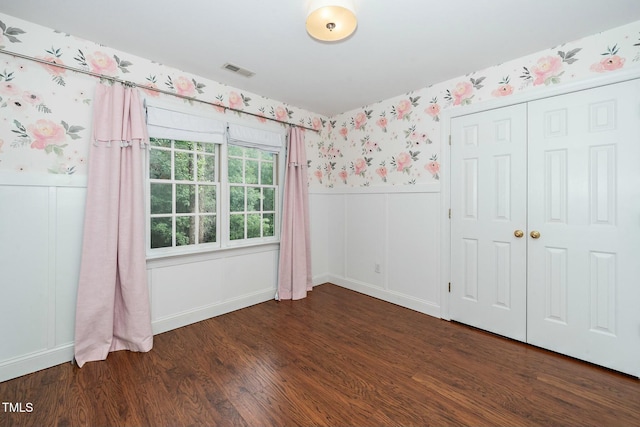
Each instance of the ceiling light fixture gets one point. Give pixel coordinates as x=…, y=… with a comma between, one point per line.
x=331, y=20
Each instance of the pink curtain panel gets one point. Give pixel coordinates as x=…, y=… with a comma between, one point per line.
x=113, y=310
x=294, y=270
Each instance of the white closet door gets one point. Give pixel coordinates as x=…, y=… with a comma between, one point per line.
x=488, y=202
x=584, y=200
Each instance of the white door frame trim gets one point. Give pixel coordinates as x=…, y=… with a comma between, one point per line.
x=445, y=178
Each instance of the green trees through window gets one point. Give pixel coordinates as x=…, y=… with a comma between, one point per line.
x=183, y=188
x=184, y=191
x=252, y=193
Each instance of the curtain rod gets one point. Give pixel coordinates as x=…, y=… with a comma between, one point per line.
x=132, y=84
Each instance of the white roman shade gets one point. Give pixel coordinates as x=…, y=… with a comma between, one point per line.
x=170, y=124
x=255, y=138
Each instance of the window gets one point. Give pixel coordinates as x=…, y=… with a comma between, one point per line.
x=183, y=193
x=209, y=189
x=252, y=193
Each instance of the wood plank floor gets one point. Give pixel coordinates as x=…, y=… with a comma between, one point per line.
x=337, y=358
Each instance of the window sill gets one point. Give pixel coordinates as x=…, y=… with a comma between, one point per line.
x=178, y=258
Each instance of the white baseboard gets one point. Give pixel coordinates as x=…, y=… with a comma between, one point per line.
x=422, y=306
x=45, y=359
x=33, y=362
x=197, y=315
x=320, y=279
x=30, y=363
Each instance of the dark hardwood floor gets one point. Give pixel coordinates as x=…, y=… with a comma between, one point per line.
x=337, y=358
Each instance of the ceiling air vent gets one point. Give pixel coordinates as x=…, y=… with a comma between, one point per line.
x=238, y=70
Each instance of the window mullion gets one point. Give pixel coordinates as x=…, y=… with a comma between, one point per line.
x=225, y=196
x=261, y=191
x=147, y=203
x=174, y=226
x=244, y=182
x=196, y=195
x=246, y=207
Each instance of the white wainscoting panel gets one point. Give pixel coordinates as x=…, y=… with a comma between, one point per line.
x=181, y=288
x=319, y=214
x=40, y=246
x=203, y=286
x=24, y=270
x=327, y=212
x=70, y=206
x=413, y=245
x=249, y=274
x=397, y=229
x=365, y=231
x=336, y=231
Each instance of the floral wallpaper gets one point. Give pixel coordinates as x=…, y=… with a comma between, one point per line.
x=397, y=141
x=45, y=111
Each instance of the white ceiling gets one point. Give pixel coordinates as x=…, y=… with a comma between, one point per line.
x=399, y=45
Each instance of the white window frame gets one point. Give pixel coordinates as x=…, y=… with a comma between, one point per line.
x=235, y=134
x=278, y=184
x=174, y=215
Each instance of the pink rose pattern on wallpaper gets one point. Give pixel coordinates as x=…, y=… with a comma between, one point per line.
x=463, y=93
x=151, y=82
x=402, y=111
x=505, y=89
x=401, y=136
x=359, y=167
x=343, y=175
x=47, y=119
x=433, y=166
x=184, y=86
x=612, y=61
x=359, y=122
x=433, y=109
x=549, y=69
x=47, y=113
x=50, y=137
x=370, y=149
x=416, y=139
x=40, y=134
x=382, y=171
x=403, y=162
x=57, y=73
x=368, y=146
x=383, y=122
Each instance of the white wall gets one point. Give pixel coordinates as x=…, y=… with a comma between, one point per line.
x=195, y=288
x=40, y=243
x=395, y=228
x=40, y=249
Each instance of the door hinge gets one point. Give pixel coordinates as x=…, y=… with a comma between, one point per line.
x=449, y=139
x=449, y=213
x=449, y=286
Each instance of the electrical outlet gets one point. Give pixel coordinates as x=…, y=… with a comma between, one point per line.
x=376, y=267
